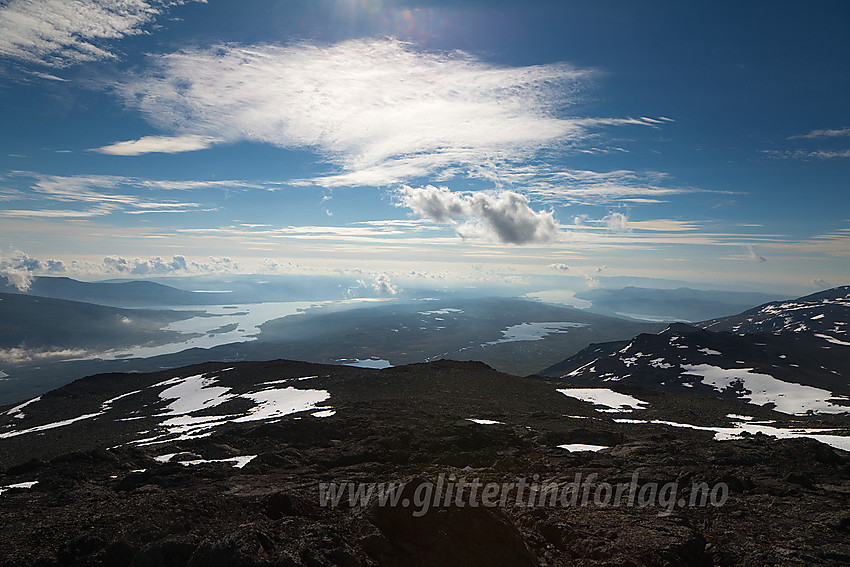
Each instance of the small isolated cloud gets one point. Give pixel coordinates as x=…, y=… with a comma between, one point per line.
x=505, y=216
x=560, y=267
x=616, y=222
x=591, y=281
x=159, y=144
x=380, y=285
x=383, y=286
x=60, y=33
x=753, y=255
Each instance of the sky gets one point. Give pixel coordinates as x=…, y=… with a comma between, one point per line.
x=540, y=145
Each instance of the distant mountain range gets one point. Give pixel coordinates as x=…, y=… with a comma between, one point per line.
x=793, y=356
x=510, y=334
x=513, y=335
x=43, y=336
x=680, y=304
x=42, y=325
x=116, y=294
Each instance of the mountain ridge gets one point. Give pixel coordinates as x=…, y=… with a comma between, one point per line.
x=773, y=342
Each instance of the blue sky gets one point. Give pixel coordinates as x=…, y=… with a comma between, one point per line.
x=535, y=144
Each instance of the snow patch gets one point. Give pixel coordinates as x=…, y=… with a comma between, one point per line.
x=609, y=399
x=584, y=368
x=578, y=447
x=18, y=408
x=108, y=403
x=47, y=426
x=832, y=339
x=194, y=393
x=739, y=429
x=20, y=485
x=285, y=380
x=197, y=393
x=324, y=413
x=761, y=389
x=238, y=462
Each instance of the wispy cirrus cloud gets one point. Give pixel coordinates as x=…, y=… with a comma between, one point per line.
x=59, y=33
x=374, y=232
x=159, y=144
x=807, y=154
x=829, y=154
x=53, y=213
x=559, y=185
x=830, y=137
x=96, y=195
x=827, y=133
x=48, y=76
x=99, y=195
x=379, y=112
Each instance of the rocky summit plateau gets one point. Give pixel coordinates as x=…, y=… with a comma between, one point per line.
x=719, y=443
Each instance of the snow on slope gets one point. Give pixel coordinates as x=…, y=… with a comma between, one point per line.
x=825, y=313
x=751, y=428
x=762, y=389
x=609, y=399
x=188, y=396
